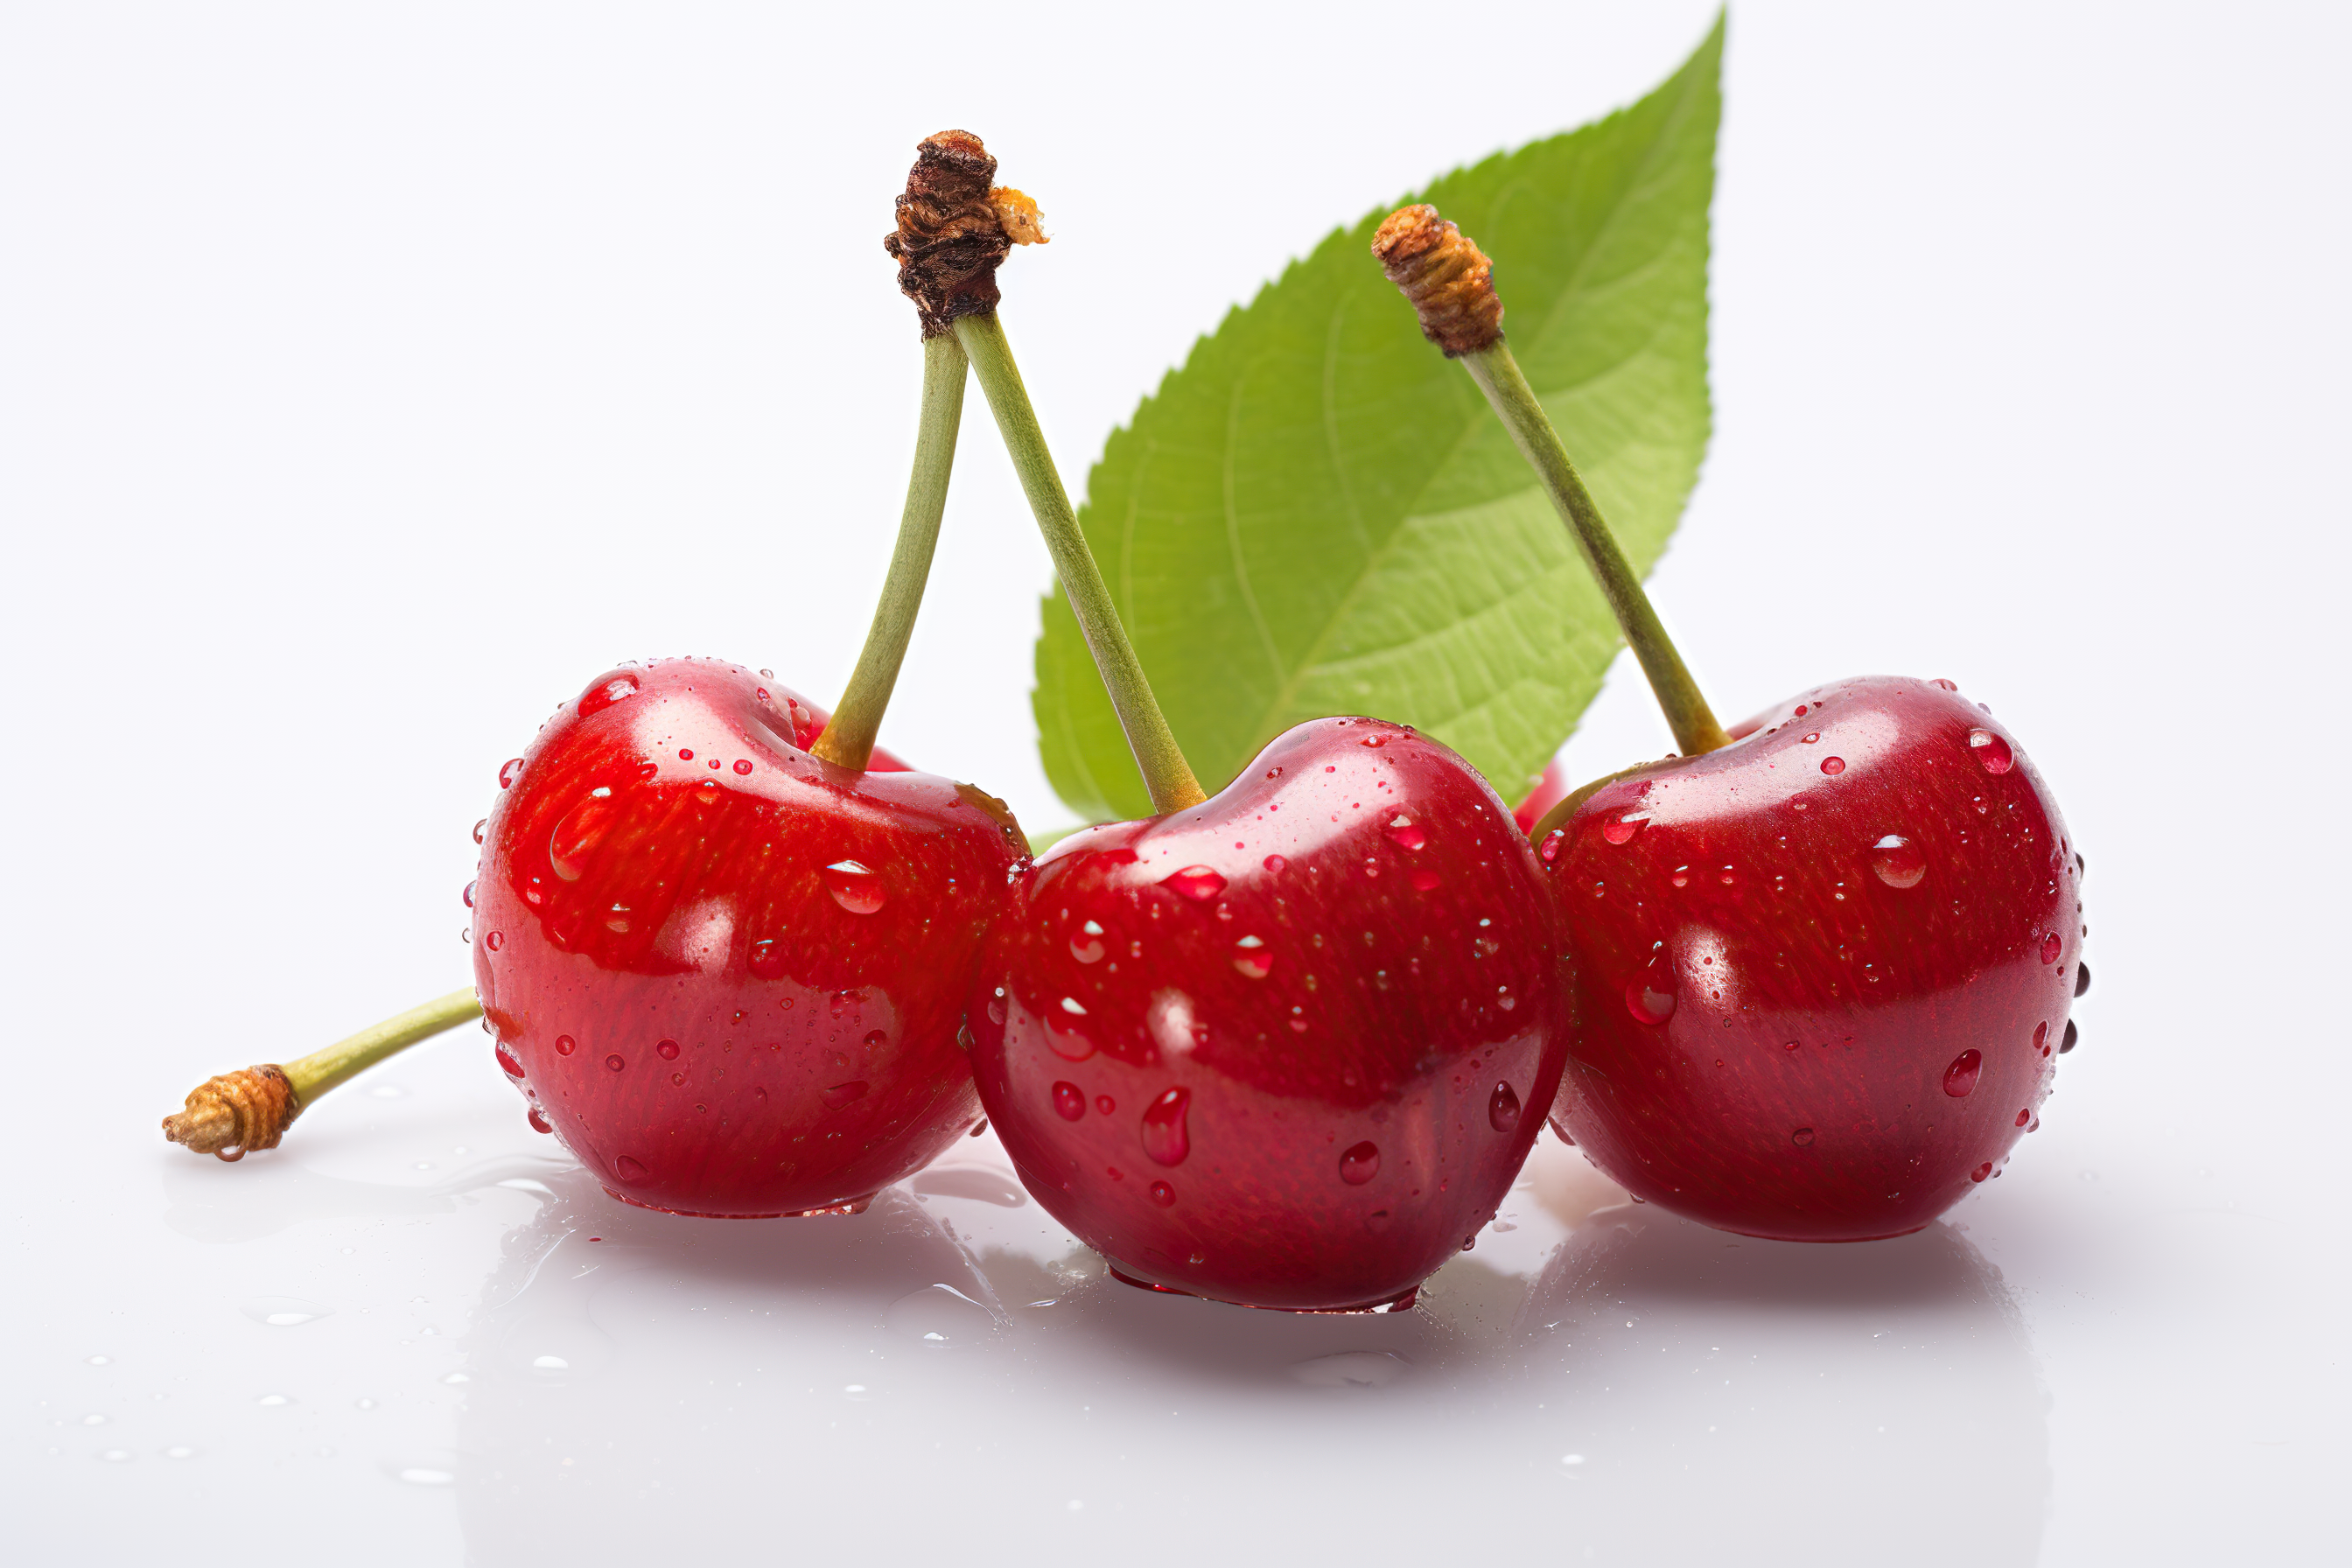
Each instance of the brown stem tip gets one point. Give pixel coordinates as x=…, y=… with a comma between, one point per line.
x=954, y=230
x=1446, y=276
x=235, y=1113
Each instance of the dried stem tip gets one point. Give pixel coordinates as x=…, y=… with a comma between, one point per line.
x=235, y=1113
x=1446, y=276
x=954, y=229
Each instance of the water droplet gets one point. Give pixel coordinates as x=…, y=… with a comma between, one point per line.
x=1276, y=864
x=507, y=1063
x=685, y=753
x=2023, y=1117
x=614, y=1061
x=1167, y=1138
x=1375, y=741
x=1898, y=862
x=1360, y=1164
x=854, y=888
x=2081, y=978
x=509, y=774
x=495, y=941
x=283, y=1311
x=628, y=1170
x=565, y=1045
x=2067, y=1043
x=1201, y=883
x=1816, y=735
x=841, y=1094
x=939, y=1316
x=481, y=829
x=666, y=1050
x=1981, y=1171
x=1062, y=1031
x=1801, y=1137
x=1620, y=828
x=1087, y=947
x=1947, y=685
x=1252, y=958
x=1162, y=1193
x=1069, y=1101
x=1832, y=766
x=1503, y=1109
x=743, y=764
x=1646, y=1001
x=612, y=688
x=1405, y=833
x=875, y=1040
x=1679, y=877
x=1106, y=1104
x=1551, y=845
x=1423, y=880
x=1992, y=750
x=767, y=958
x=1961, y=1075
x=538, y=1122
x=468, y=895
x=2050, y=946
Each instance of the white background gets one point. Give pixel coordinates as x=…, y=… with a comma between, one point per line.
x=371, y=377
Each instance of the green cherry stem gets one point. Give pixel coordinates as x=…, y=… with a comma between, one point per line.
x=1498, y=376
x=237, y=1112
x=1450, y=284
x=1165, y=772
x=848, y=738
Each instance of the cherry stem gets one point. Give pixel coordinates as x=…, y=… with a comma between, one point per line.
x=1498, y=376
x=1165, y=772
x=236, y=1112
x=848, y=738
x=315, y=1074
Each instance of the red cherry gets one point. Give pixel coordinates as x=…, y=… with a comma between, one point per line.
x=1831, y=1039
x=733, y=993
x=1316, y=1064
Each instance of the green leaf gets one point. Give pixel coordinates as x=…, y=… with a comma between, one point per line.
x=1318, y=514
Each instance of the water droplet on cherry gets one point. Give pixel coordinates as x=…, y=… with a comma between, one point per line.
x=1276, y=864
x=468, y=895
x=1166, y=1136
x=1405, y=833
x=2081, y=978
x=1832, y=766
x=742, y=764
x=565, y=1045
x=615, y=1062
x=767, y=958
x=628, y=1170
x=1201, y=883
x=1647, y=1002
x=1992, y=750
x=1162, y=1193
x=1503, y=1109
x=495, y=941
x=1252, y=957
x=1360, y=1164
x=2050, y=948
x=506, y=1062
x=1961, y=1075
x=509, y=774
x=612, y=688
x=668, y=1049
x=1801, y=1137
x=1069, y=1101
x=854, y=888
x=1620, y=828
x=841, y=1094
x=1898, y=862
x=539, y=1123
x=2067, y=1042
x=1981, y=1171
x=480, y=829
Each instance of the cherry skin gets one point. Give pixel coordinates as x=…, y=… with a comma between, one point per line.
x=1823, y=972
x=729, y=975
x=1288, y=1047
x=1553, y=786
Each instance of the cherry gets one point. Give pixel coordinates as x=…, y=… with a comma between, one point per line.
x=1823, y=972
x=1823, y=959
x=1286, y=1047
x=729, y=975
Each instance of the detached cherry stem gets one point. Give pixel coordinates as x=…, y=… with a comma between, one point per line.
x=848, y=738
x=1450, y=284
x=1165, y=772
x=234, y=1115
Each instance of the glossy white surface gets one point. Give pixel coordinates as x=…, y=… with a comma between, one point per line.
x=369, y=384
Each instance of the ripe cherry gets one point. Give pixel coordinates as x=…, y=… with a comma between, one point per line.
x=1286, y=1047
x=1823, y=972
x=728, y=974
